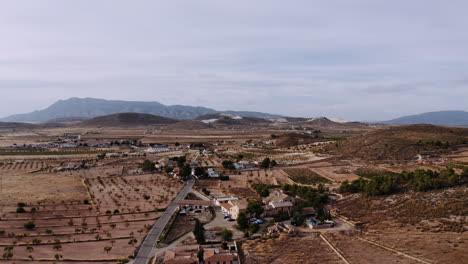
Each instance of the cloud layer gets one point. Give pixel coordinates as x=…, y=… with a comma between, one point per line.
x=359, y=60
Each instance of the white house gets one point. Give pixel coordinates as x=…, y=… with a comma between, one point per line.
x=212, y=173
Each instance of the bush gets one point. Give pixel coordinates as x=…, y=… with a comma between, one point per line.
x=30, y=225
x=205, y=191
x=226, y=234
x=224, y=178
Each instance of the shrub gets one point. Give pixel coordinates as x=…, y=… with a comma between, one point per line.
x=30, y=225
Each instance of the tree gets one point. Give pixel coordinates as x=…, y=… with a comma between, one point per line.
x=265, y=163
x=227, y=164
x=254, y=208
x=148, y=166
x=186, y=171
x=57, y=245
x=226, y=234
x=8, y=255
x=200, y=255
x=199, y=232
x=30, y=225
x=132, y=241
x=107, y=249
x=200, y=171
x=242, y=221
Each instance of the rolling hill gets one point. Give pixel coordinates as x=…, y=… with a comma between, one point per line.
x=440, y=118
x=401, y=142
x=89, y=107
x=127, y=120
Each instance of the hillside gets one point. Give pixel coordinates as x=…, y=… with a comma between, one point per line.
x=441, y=118
x=401, y=143
x=126, y=120
x=188, y=125
x=231, y=120
x=89, y=107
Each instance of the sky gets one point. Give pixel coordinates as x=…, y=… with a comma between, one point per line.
x=357, y=60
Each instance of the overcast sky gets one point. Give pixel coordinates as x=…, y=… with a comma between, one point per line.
x=358, y=60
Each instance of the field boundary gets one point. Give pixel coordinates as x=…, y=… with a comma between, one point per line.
x=394, y=251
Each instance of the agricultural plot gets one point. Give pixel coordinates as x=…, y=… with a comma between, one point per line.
x=338, y=174
x=305, y=176
x=290, y=249
x=23, y=166
x=260, y=176
x=61, y=219
x=358, y=251
x=445, y=247
x=237, y=186
x=68, y=230
x=131, y=194
x=40, y=187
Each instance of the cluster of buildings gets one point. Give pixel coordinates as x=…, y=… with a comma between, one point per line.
x=212, y=254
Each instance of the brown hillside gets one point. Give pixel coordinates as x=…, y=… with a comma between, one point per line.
x=402, y=142
x=189, y=125
x=127, y=120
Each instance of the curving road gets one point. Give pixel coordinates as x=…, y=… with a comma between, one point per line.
x=144, y=254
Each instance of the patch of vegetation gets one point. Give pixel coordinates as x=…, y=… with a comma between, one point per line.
x=148, y=166
x=228, y=164
x=268, y=163
x=371, y=172
x=418, y=180
x=305, y=176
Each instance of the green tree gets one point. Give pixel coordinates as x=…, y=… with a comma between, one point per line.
x=254, y=208
x=200, y=171
x=185, y=171
x=242, y=221
x=265, y=163
x=148, y=166
x=30, y=225
x=200, y=255
x=199, y=232
x=226, y=234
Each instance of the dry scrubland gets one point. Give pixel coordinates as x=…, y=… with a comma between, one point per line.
x=429, y=225
x=289, y=249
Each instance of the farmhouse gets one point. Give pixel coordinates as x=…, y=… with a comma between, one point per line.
x=278, y=196
x=180, y=256
x=212, y=173
x=112, y=155
x=219, y=201
x=233, y=207
x=245, y=164
x=217, y=255
x=275, y=207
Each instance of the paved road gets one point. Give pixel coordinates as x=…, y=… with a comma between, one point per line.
x=144, y=254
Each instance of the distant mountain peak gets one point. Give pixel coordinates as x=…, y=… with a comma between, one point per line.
x=86, y=108
x=440, y=118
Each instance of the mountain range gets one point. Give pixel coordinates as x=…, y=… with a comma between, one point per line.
x=85, y=108
x=79, y=109
x=440, y=118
